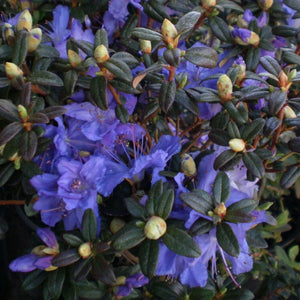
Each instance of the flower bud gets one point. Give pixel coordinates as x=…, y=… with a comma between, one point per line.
x=22, y=112
x=12, y=71
x=101, y=54
x=9, y=32
x=38, y=250
x=25, y=4
x=51, y=268
x=170, y=34
x=241, y=66
x=34, y=39
x=237, y=145
x=85, y=250
x=289, y=113
x=155, y=228
x=206, y=4
x=224, y=86
x=220, y=211
x=25, y=21
x=292, y=75
x=50, y=251
x=145, y=46
x=265, y=4
x=116, y=224
x=74, y=58
x=188, y=165
x=245, y=37
x=121, y=280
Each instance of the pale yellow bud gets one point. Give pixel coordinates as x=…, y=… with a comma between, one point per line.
x=265, y=4
x=74, y=58
x=22, y=112
x=169, y=32
x=85, y=250
x=116, y=224
x=220, y=211
x=224, y=86
x=208, y=3
x=289, y=113
x=12, y=71
x=101, y=54
x=188, y=165
x=145, y=46
x=34, y=39
x=51, y=268
x=155, y=228
x=25, y=21
x=121, y=280
x=237, y=145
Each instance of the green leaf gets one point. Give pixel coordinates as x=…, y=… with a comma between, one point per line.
x=28, y=146
x=154, y=194
x=252, y=58
x=219, y=137
x=276, y=100
x=101, y=38
x=82, y=269
x=221, y=189
x=187, y=22
x=223, y=159
x=245, y=205
x=284, y=30
x=122, y=113
x=5, y=52
x=156, y=10
x=254, y=164
x=148, y=257
x=200, y=293
x=227, y=239
x=271, y=65
x=46, y=51
x=233, y=131
x=54, y=111
x=294, y=144
x=136, y=209
x=72, y=240
x=239, y=295
x=85, y=46
x=9, y=132
x=39, y=118
x=45, y=78
x=54, y=283
x=181, y=243
x=70, y=80
x=201, y=226
x=220, y=28
x=165, y=203
x=204, y=57
x=65, y=258
x=128, y=237
x=89, y=290
x=20, y=48
x=8, y=111
x=198, y=200
x=102, y=270
x=237, y=216
x=271, y=125
x=237, y=114
x=289, y=177
x=253, y=129
x=34, y=279
x=146, y=34
x=124, y=86
x=98, y=91
x=119, y=69
x=4, y=82
x=6, y=172
x=291, y=58
x=127, y=58
x=167, y=95
x=89, y=225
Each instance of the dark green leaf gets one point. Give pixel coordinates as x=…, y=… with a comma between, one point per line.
x=54, y=283
x=28, y=146
x=220, y=28
x=237, y=216
x=291, y=58
x=103, y=271
x=72, y=239
x=119, y=69
x=223, y=159
x=154, y=194
x=294, y=144
x=233, y=131
x=34, y=279
x=8, y=111
x=9, y=132
x=271, y=125
x=276, y=100
x=221, y=189
x=127, y=58
x=45, y=78
x=235, y=113
x=20, y=48
x=65, y=258
x=5, y=52
x=290, y=177
x=39, y=118
x=128, y=237
x=98, y=91
x=284, y=30
x=122, y=113
x=219, y=137
x=254, y=239
x=146, y=34
x=227, y=239
x=82, y=268
x=6, y=172
x=85, y=46
x=253, y=129
x=245, y=205
x=136, y=209
x=167, y=95
x=200, y=293
x=165, y=203
x=252, y=58
x=4, y=82
x=254, y=164
x=187, y=22
x=181, y=243
x=239, y=295
x=201, y=226
x=199, y=200
x=124, y=86
x=46, y=51
x=54, y=111
x=89, y=225
x=70, y=79
x=148, y=257
x=204, y=57
x=271, y=65
x=101, y=38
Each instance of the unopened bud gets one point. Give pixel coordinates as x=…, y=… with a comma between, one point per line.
x=188, y=165
x=206, y=4
x=170, y=34
x=22, y=112
x=25, y=4
x=224, y=86
x=292, y=75
x=34, y=39
x=101, y=54
x=237, y=145
x=12, y=71
x=121, y=280
x=85, y=250
x=51, y=268
x=116, y=224
x=9, y=32
x=183, y=81
x=38, y=250
x=245, y=37
x=265, y=4
x=289, y=113
x=155, y=228
x=220, y=211
x=74, y=58
x=25, y=21
x=50, y=251
x=145, y=46
x=241, y=66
